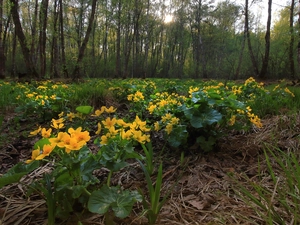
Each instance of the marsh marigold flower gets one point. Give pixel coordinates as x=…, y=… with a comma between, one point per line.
x=35, y=132
x=35, y=153
x=47, y=149
x=169, y=128
x=98, y=129
x=232, y=120
x=110, y=109
x=74, y=145
x=156, y=126
x=108, y=122
x=46, y=133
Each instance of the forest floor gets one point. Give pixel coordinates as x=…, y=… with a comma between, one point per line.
x=205, y=187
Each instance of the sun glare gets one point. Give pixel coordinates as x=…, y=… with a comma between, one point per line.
x=168, y=18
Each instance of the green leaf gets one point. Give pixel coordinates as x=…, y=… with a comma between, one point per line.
x=85, y=109
x=208, y=117
x=206, y=144
x=40, y=143
x=14, y=174
x=178, y=136
x=120, y=201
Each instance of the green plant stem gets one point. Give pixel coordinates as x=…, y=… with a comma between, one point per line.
x=109, y=178
x=87, y=192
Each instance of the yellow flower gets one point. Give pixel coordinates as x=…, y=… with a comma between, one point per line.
x=47, y=149
x=46, y=133
x=65, y=140
x=122, y=123
x=126, y=134
x=109, y=122
x=174, y=120
x=166, y=117
x=139, y=122
x=139, y=137
x=110, y=109
x=60, y=115
x=232, y=120
x=130, y=97
x=79, y=135
x=240, y=111
x=74, y=145
x=35, y=132
x=29, y=95
x=72, y=131
x=98, y=112
x=112, y=131
x=256, y=121
x=169, y=128
x=98, y=129
x=57, y=125
x=58, y=139
x=104, y=139
x=35, y=153
x=71, y=116
x=43, y=102
x=156, y=126
x=151, y=108
x=289, y=92
x=138, y=96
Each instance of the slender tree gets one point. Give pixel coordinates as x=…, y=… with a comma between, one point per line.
x=22, y=39
x=62, y=39
x=298, y=53
x=292, y=40
x=2, y=55
x=76, y=72
x=264, y=68
x=253, y=60
x=42, y=36
x=54, y=72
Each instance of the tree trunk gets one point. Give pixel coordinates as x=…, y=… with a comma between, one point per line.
x=76, y=72
x=298, y=46
x=291, y=48
x=33, y=30
x=118, y=50
x=237, y=73
x=264, y=68
x=54, y=50
x=62, y=40
x=2, y=56
x=22, y=39
x=147, y=41
x=42, y=41
x=254, y=63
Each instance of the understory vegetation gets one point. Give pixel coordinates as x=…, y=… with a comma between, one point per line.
x=150, y=151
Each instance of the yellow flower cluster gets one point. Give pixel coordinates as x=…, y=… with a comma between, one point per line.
x=113, y=127
x=166, y=101
x=103, y=109
x=236, y=90
x=138, y=96
x=251, y=81
x=170, y=121
x=192, y=90
x=254, y=119
x=73, y=140
x=231, y=121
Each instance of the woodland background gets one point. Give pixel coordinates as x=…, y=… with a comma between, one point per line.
x=131, y=39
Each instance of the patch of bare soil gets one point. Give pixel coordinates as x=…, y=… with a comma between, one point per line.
x=204, y=190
